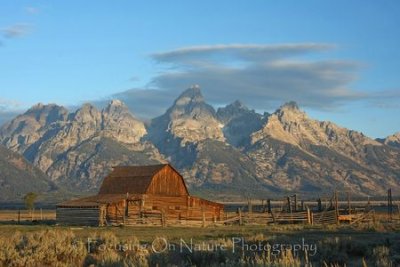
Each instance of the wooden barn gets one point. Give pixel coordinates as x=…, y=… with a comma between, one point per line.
x=132, y=195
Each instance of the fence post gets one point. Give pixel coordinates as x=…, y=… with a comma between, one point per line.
x=336, y=208
x=269, y=206
x=288, y=204
x=308, y=215
x=163, y=218
x=240, y=216
x=348, y=203
x=250, y=207
x=204, y=219
x=390, y=204
x=319, y=203
x=302, y=205
x=295, y=203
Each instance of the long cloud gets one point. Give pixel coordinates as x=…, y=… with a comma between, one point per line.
x=260, y=74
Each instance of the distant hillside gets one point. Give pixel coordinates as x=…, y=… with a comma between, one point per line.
x=18, y=177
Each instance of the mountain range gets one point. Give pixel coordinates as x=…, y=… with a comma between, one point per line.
x=226, y=154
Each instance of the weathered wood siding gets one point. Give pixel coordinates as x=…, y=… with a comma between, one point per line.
x=167, y=182
x=115, y=213
x=77, y=216
x=178, y=207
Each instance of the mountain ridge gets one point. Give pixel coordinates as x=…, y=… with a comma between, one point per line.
x=233, y=148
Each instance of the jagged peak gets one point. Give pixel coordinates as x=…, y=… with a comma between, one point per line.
x=290, y=109
x=237, y=104
x=235, y=109
x=190, y=95
x=85, y=111
x=393, y=137
x=87, y=106
x=291, y=105
x=117, y=108
x=116, y=105
x=116, y=102
x=41, y=106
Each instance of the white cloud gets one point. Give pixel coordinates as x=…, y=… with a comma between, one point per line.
x=16, y=30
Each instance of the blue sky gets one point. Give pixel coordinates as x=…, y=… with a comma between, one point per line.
x=338, y=59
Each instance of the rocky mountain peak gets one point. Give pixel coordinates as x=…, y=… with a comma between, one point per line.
x=27, y=128
x=116, y=102
x=290, y=112
x=119, y=123
x=238, y=104
x=86, y=112
x=191, y=104
x=189, y=99
x=189, y=119
x=46, y=113
x=239, y=123
x=291, y=105
x=233, y=110
x=392, y=140
x=117, y=108
x=37, y=106
x=190, y=96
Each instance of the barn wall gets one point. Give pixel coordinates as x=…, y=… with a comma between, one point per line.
x=77, y=216
x=173, y=207
x=115, y=212
x=179, y=207
x=198, y=206
x=167, y=182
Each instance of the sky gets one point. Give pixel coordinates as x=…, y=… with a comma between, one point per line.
x=338, y=60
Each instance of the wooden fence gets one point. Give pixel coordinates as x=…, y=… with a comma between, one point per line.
x=19, y=216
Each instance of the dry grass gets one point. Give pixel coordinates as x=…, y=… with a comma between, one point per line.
x=367, y=244
x=40, y=245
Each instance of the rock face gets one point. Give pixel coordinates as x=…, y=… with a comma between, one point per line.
x=191, y=136
x=229, y=154
x=188, y=122
x=302, y=154
x=27, y=129
x=189, y=119
x=239, y=123
x=392, y=140
x=78, y=149
x=18, y=177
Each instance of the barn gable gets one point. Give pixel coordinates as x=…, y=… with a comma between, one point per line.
x=168, y=182
x=160, y=179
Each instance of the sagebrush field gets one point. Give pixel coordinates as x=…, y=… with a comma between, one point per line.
x=250, y=245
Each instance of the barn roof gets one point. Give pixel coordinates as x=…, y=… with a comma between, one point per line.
x=122, y=180
x=132, y=179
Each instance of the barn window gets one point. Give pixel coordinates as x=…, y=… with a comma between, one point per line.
x=177, y=207
x=155, y=208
